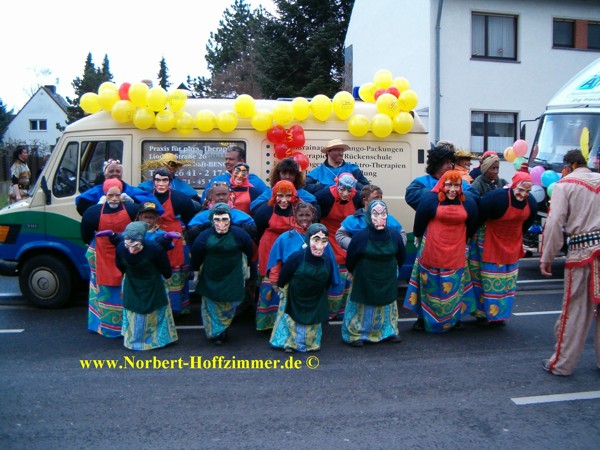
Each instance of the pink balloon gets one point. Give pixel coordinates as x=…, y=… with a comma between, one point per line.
x=520, y=147
x=536, y=174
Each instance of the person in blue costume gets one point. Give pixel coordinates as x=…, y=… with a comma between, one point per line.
x=233, y=156
x=327, y=173
x=373, y=258
x=95, y=195
x=173, y=164
x=217, y=253
x=289, y=170
x=440, y=159
x=356, y=222
x=147, y=318
x=303, y=282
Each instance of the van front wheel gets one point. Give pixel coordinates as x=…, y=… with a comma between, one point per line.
x=46, y=281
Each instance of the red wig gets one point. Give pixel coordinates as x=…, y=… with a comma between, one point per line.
x=283, y=187
x=451, y=176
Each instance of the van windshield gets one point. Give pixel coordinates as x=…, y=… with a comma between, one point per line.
x=558, y=133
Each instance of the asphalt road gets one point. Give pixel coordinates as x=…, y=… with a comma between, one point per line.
x=464, y=389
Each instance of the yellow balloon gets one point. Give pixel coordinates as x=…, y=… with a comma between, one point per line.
x=283, y=113
x=90, y=103
x=227, y=121
x=388, y=104
x=408, y=100
x=107, y=99
x=343, y=105
x=358, y=125
x=244, y=106
x=177, y=100
x=509, y=154
x=401, y=84
x=321, y=107
x=383, y=79
x=403, y=122
x=584, y=142
x=262, y=120
x=157, y=98
x=108, y=86
x=165, y=120
x=381, y=125
x=143, y=118
x=122, y=111
x=367, y=92
x=184, y=122
x=205, y=120
x=301, y=108
x=138, y=94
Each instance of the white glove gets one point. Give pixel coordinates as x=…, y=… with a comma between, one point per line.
x=102, y=200
x=126, y=198
x=417, y=242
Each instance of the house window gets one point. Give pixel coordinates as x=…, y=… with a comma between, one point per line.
x=576, y=34
x=563, y=33
x=494, y=37
x=38, y=125
x=492, y=131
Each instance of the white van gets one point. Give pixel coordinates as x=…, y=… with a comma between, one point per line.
x=40, y=237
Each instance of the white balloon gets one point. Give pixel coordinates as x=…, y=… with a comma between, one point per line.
x=538, y=192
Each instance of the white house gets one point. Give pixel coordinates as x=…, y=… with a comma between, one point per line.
x=35, y=125
x=479, y=67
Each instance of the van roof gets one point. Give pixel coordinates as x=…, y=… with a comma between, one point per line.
x=583, y=90
x=103, y=120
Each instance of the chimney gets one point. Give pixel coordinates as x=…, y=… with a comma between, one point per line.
x=51, y=88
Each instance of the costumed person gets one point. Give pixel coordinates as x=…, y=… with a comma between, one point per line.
x=148, y=213
x=440, y=289
x=338, y=202
x=178, y=212
x=463, y=163
x=217, y=255
x=489, y=180
x=575, y=210
x=506, y=214
x=105, y=309
x=374, y=256
x=243, y=191
x=440, y=159
x=272, y=219
x=327, y=173
x=113, y=170
x=173, y=164
x=233, y=156
x=304, y=280
x=477, y=170
x=20, y=175
x=356, y=222
x=147, y=318
x=287, y=169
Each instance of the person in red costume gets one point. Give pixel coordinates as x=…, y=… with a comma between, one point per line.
x=506, y=214
x=99, y=222
x=338, y=202
x=437, y=290
x=272, y=219
x=241, y=187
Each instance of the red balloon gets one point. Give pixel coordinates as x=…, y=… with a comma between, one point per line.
x=393, y=90
x=378, y=92
x=124, y=91
x=301, y=159
x=282, y=150
x=276, y=134
x=296, y=129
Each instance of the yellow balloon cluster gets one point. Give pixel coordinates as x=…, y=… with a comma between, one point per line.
x=394, y=101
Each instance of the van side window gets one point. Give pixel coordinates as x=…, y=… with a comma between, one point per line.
x=65, y=178
x=93, y=156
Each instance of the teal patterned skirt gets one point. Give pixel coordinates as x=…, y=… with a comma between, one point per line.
x=369, y=323
x=148, y=331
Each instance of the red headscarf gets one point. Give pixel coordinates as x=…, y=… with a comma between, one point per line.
x=452, y=176
x=112, y=182
x=520, y=177
x=283, y=187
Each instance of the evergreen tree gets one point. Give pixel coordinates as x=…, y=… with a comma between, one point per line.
x=90, y=82
x=302, y=51
x=163, y=75
x=5, y=118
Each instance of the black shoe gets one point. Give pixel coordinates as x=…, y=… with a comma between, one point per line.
x=458, y=326
x=221, y=338
x=497, y=323
x=358, y=343
x=395, y=338
x=419, y=325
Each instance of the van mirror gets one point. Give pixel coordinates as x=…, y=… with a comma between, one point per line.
x=46, y=191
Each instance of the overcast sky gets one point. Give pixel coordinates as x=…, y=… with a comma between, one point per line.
x=56, y=36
